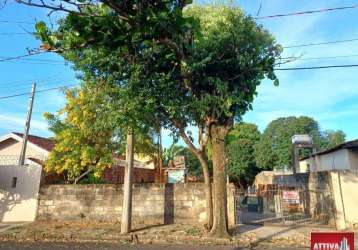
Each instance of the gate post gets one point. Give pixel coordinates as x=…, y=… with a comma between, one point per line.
x=231, y=209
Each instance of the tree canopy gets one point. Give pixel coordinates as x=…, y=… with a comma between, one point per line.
x=275, y=147
x=241, y=143
x=84, y=136
x=88, y=134
x=198, y=66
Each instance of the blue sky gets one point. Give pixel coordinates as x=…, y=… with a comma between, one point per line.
x=329, y=95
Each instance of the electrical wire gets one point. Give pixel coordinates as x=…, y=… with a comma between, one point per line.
x=308, y=12
x=22, y=56
x=27, y=85
x=37, y=91
x=318, y=58
x=320, y=67
x=14, y=34
x=14, y=83
x=16, y=22
x=322, y=43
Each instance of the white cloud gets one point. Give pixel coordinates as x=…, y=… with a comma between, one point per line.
x=17, y=123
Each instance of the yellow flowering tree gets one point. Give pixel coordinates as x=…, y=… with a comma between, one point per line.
x=84, y=134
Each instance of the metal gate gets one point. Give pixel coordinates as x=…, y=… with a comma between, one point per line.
x=283, y=205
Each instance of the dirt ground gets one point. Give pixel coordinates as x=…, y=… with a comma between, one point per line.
x=244, y=236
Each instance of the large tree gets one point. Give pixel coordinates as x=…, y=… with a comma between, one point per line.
x=200, y=68
x=274, y=151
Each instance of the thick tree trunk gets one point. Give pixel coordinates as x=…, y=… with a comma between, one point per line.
x=208, y=192
x=219, y=228
x=127, y=186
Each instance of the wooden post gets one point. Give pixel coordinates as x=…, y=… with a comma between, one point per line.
x=127, y=185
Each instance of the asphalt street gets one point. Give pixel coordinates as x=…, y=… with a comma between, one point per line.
x=108, y=246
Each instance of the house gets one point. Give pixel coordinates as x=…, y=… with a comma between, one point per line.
x=343, y=157
x=328, y=179
x=38, y=149
x=341, y=164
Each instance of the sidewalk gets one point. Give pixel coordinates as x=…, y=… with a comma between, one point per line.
x=244, y=236
x=4, y=226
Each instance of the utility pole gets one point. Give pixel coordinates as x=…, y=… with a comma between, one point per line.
x=27, y=127
x=127, y=185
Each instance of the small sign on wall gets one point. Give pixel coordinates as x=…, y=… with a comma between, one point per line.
x=176, y=176
x=332, y=241
x=291, y=197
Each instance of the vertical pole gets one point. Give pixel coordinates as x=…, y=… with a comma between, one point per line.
x=127, y=185
x=160, y=161
x=27, y=127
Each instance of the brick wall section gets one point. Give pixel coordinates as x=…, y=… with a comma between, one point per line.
x=115, y=175
x=152, y=203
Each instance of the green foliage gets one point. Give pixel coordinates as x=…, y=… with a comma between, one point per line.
x=241, y=142
x=171, y=152
x=275, y=147
x=192, y=162
x=331, y=138
x=229, y=57
x=92, y=179
x=84, y=137
x=181, y=68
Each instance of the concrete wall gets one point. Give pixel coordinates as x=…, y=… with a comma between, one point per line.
x=320, y=202
x=152, y=203
x=19, y=202
x=344, y=189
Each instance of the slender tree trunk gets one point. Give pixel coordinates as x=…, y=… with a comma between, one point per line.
x=208, y=192
x=200, y=155
x=127, y=185
x=219, y=229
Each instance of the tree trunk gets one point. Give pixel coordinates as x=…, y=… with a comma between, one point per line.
x=200, y=155
x=208, y=192
x=219, y=229
x=127, y=185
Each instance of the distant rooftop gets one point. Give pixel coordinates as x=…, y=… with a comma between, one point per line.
x=345, y=145
x=42, y=142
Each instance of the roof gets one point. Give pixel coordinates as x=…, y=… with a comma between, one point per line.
x=41, y=143
x=345, y=145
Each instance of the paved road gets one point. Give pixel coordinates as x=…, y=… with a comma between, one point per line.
x=104, y=246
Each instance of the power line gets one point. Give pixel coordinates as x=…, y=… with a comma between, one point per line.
x=22, y=56
x=14, y=33
x=318, y=58
x=37, y=91
x=32, y=80
x=308, y=12
x=17, y=22
x=322, y=43
x=24, y=86
x=320, y=67
x=39, y=60
x=38, y=63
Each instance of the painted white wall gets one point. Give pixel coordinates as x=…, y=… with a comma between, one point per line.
x=19, y=203
x=303, y=166
x=344, y=186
